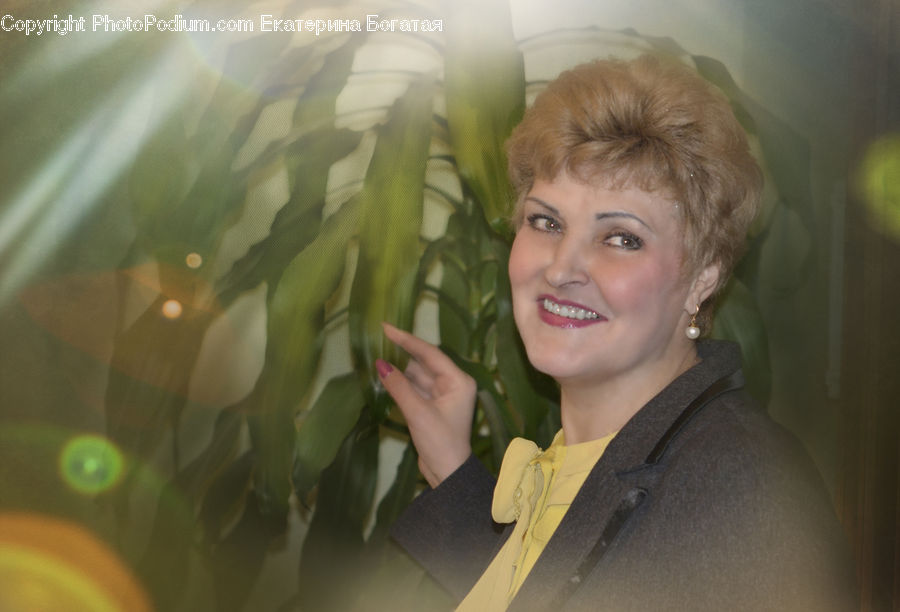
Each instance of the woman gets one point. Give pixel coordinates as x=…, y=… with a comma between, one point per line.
x=667, y=488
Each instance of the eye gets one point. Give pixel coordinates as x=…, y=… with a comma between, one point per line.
x=544, y=223
x=624, y=240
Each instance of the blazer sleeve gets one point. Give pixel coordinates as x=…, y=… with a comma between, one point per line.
x=449, y=529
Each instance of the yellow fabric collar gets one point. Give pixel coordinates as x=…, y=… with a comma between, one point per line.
x=521, y=481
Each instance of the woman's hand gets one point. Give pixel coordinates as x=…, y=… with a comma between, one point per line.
x=437, y=399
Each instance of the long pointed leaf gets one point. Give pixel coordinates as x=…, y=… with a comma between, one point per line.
x=384, y=285
x=296, y=314
x=329, y=421
x=297, y=223
x=485, y=84
x=398, y=496
x=333, y=548
x=239, y=559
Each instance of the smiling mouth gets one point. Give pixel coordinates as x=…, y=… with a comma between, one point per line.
x=567, y=310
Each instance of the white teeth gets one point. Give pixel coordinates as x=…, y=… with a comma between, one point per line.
x=570, y=312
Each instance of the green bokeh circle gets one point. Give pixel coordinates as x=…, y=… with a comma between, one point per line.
x=90, y=464
x=879, y=176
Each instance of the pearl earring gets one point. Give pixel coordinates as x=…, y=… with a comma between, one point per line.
x=693, y=332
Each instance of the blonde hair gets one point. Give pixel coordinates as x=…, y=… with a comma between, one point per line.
x=653, y=124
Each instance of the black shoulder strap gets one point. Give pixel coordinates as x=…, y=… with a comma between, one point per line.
x=634, y=497
x=732, y=382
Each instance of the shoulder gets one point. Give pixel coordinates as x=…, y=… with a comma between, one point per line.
x=734, y=435
x=732, y=451
x=751, y=503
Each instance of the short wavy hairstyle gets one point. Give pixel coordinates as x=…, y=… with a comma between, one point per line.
x=654, y=124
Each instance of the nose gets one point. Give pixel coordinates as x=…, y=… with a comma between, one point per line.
x=567, y=265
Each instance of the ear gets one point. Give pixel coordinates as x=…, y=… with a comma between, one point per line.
x=702, y=287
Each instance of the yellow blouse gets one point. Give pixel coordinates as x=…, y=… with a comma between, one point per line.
x=534, y=489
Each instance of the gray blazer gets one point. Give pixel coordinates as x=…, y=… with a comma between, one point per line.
x=701, y=502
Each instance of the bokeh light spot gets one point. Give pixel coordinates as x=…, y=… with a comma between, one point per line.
x=51, y=564
x=90, y=464
x=880, y=181
x=171, y=309
x=193, y=260
x=37, y=581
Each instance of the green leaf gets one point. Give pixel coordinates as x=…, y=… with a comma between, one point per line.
x=398, y=496
x=238, y=561
x=785, y=254
x=174, y=528
x=716, y=73
x=787, y=157
x=226, y=497
x=322, y=79
x=484, y=78
x=738, y=318
x=194, y=480
x=308, y=160
x=785, y=151
x=165, y=565
x=503, y=424
x=454, y=315
x=317, y=104
x=332, y=556
x=294, y=339
x=329, y=421
x=384, y=284
x=297, y=223
x=184, y=192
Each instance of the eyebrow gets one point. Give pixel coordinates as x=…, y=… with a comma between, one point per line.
x=599, y=216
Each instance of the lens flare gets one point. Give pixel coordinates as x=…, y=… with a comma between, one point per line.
x=172, y=309
x=90, y=464
x=50, y=564
x=879, y=177
x=193, y=260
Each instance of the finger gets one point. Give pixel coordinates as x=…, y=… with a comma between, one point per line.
x=410, y=402
x=426, y=353
x=420, y=378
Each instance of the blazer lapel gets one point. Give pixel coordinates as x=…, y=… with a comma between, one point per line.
x=617, y=477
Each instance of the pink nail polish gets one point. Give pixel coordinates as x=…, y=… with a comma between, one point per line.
x=383, y=367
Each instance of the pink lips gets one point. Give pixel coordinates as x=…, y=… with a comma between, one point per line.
x=559, y=321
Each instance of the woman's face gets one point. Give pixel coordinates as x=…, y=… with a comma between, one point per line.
x=597, y=285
